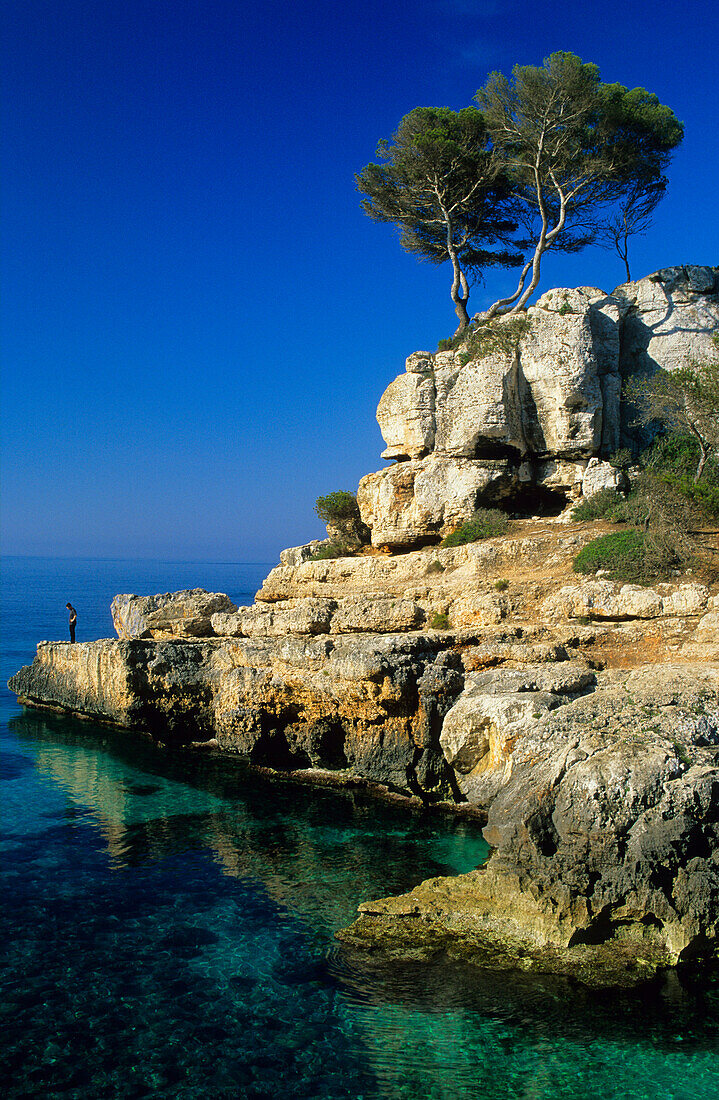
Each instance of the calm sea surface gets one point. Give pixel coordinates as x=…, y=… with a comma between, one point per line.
x=167, y=923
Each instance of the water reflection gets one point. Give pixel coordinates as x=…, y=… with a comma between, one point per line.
x=318, y=852
x=168, y=932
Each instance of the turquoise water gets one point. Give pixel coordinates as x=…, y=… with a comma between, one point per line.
x=168, y=923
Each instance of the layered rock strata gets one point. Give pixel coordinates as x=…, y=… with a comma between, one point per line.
x=579, y=717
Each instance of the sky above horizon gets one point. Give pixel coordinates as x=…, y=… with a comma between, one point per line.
x=198, y=320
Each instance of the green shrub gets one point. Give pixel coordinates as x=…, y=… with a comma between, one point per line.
x=435, y=566
x=501, y=585
x=621, y=459
x=485, y=337
x=484, y=524
x=705, y=494
x=332, y=550
x=622, y=554
x=601, y=505
x=440, y=621
x=336, y=507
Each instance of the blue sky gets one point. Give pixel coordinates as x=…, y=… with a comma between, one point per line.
x=198, y=320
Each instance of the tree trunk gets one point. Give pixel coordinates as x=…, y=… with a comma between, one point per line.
x=459, y=293
x=703, y=455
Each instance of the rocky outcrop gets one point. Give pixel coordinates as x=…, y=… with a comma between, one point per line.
x=186, y=613
x=522, y=407
x=603, y=812
x=600, y=785
x=579, y=717
x=362, y=705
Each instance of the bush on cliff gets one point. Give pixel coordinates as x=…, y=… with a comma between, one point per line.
x=337, y=507
x=621, y=554
x=602, y=505
x=484, y=524
x=660, y=539
x=673, y=459
x=333, y=550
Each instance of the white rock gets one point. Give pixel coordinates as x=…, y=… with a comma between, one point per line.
x=187, y=613
x=406, y=416
x=707, y=630
x=601, y=475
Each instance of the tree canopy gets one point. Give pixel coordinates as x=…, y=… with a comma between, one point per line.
x=445, y=190
x=572, y=147
x=551, y=155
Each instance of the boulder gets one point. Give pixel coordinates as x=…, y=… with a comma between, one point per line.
x=296, y=555
x=406, y=414
x=379, y=614
x=187, y=613
x=607, y=600
x=424, y=499
x=601, y=475
x=304, y=616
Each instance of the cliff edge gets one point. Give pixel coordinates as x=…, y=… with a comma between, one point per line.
x=577, y=716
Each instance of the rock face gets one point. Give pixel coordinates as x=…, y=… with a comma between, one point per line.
x=187, y=613
x=578, y=717
x=365, y=705
x=527, y=407
x=603, y=811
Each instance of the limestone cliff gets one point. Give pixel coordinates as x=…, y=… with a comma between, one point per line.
x=578, y=718
x=520, y=409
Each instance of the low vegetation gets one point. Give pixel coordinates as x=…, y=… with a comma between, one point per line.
x=485, y=338
x=677, y=491
x=603, y=505
x=621, y=555
x=333, y=550
x=439, y=621
x=486, y=523
x=337, y=507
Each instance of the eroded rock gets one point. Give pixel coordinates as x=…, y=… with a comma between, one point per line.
x=188, y=612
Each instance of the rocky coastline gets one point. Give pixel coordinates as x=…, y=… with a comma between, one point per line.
x=579, y=718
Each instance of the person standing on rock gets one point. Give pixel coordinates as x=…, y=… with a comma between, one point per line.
x=72, y=623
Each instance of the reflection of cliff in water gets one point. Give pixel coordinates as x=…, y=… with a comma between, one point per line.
x=668, y=1014
x=318, y=852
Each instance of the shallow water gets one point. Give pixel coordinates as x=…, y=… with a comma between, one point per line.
x=168, y=928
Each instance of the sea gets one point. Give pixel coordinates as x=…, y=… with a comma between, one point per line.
x=167, y=921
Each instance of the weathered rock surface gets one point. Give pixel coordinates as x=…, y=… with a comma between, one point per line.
x=610, y=600
x=580, y=716
x=416, y=502
x=186, y=613
x=360, y=703
x=602, y=475
x=604, y=817
x=532, y=406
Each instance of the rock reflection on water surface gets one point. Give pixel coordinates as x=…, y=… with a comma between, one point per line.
x=168, y=932
x=319, y=852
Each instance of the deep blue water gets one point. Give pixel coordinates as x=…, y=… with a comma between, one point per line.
x=167, y=922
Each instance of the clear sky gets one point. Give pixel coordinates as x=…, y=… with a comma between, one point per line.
x=198, y=319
